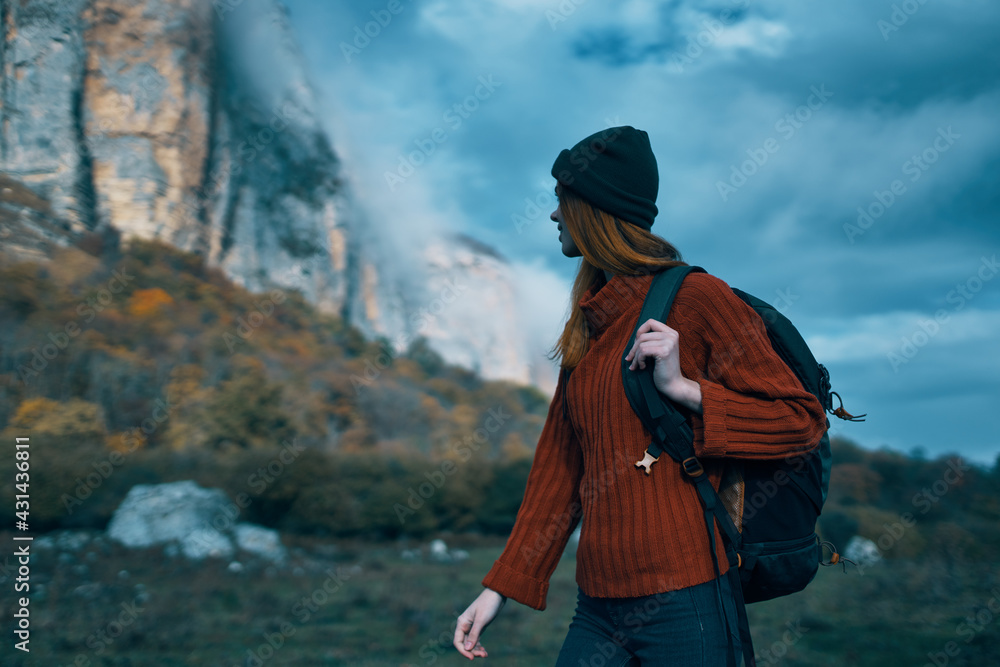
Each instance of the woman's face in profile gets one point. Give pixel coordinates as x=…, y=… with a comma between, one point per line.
x=565, y=238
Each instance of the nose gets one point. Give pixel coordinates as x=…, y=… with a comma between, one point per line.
x=554, y=215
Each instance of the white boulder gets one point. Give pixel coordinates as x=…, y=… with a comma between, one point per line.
x=191, y=520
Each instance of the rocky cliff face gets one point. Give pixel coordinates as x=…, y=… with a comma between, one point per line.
x=41, y=98
x=472, y=315
x=194, y=123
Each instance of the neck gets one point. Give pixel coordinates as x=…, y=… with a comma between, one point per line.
x=607, y=275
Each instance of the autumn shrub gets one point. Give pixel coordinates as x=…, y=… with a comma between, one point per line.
x=68, y=463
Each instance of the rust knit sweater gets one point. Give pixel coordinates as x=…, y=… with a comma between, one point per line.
x=646, y=534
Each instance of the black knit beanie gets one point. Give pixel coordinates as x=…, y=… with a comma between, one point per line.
x=615, y=170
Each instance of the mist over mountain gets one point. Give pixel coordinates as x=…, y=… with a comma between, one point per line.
x=196, y=124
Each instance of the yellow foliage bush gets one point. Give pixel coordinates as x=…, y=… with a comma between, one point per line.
x=44, y=417
x=146, y=302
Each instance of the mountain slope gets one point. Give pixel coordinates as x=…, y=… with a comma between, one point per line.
x=194, y=123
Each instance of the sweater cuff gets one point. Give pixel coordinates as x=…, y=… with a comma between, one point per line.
x=710, y=426
x=513, y=584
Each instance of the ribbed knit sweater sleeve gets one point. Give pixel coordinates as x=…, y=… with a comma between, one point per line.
x=753, y=405
x=549, y=513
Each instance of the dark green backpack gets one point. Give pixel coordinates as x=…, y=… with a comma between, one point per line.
x=766, y=510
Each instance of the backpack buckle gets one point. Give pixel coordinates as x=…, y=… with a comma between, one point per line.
x=842, y=413
x=692, y=467
x=647, y=461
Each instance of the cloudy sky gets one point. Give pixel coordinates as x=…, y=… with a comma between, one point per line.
x=835, y=159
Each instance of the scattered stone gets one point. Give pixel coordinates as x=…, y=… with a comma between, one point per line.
x=45, y=542
x=202, y=543
x=154, y=514
x=862, y=551
x=439, y=551
x=71, y=540
x=260, y=541
x=192, y=521
x=236, y=566
x=90, y=591
x=326, y=550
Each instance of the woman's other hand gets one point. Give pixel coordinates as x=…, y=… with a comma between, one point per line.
x=474, y=620
x=656, y=342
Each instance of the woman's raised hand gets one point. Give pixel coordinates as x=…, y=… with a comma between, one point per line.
x=474, y=620
x=657, y=342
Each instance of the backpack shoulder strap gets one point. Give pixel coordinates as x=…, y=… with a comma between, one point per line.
x=663, y=421
x=672, y=434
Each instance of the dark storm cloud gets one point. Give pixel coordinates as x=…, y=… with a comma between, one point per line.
x=877, y=200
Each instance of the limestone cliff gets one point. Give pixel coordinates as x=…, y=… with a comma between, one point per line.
x=194, y=123
x=469, y=285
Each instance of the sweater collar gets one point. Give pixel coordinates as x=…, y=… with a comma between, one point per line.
x=606, y=304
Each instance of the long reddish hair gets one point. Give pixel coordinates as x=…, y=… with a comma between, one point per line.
x=609, y=244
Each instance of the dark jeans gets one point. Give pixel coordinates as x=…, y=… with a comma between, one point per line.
x=678, y=628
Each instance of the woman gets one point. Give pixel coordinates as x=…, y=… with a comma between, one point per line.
x=648, y=592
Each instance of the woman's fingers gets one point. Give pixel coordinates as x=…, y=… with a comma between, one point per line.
x=471, y=623
x=463, y=635
x=652, y=325
x=653, y=339
x=467, y=638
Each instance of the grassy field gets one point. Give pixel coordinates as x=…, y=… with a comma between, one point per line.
x=359, y=603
